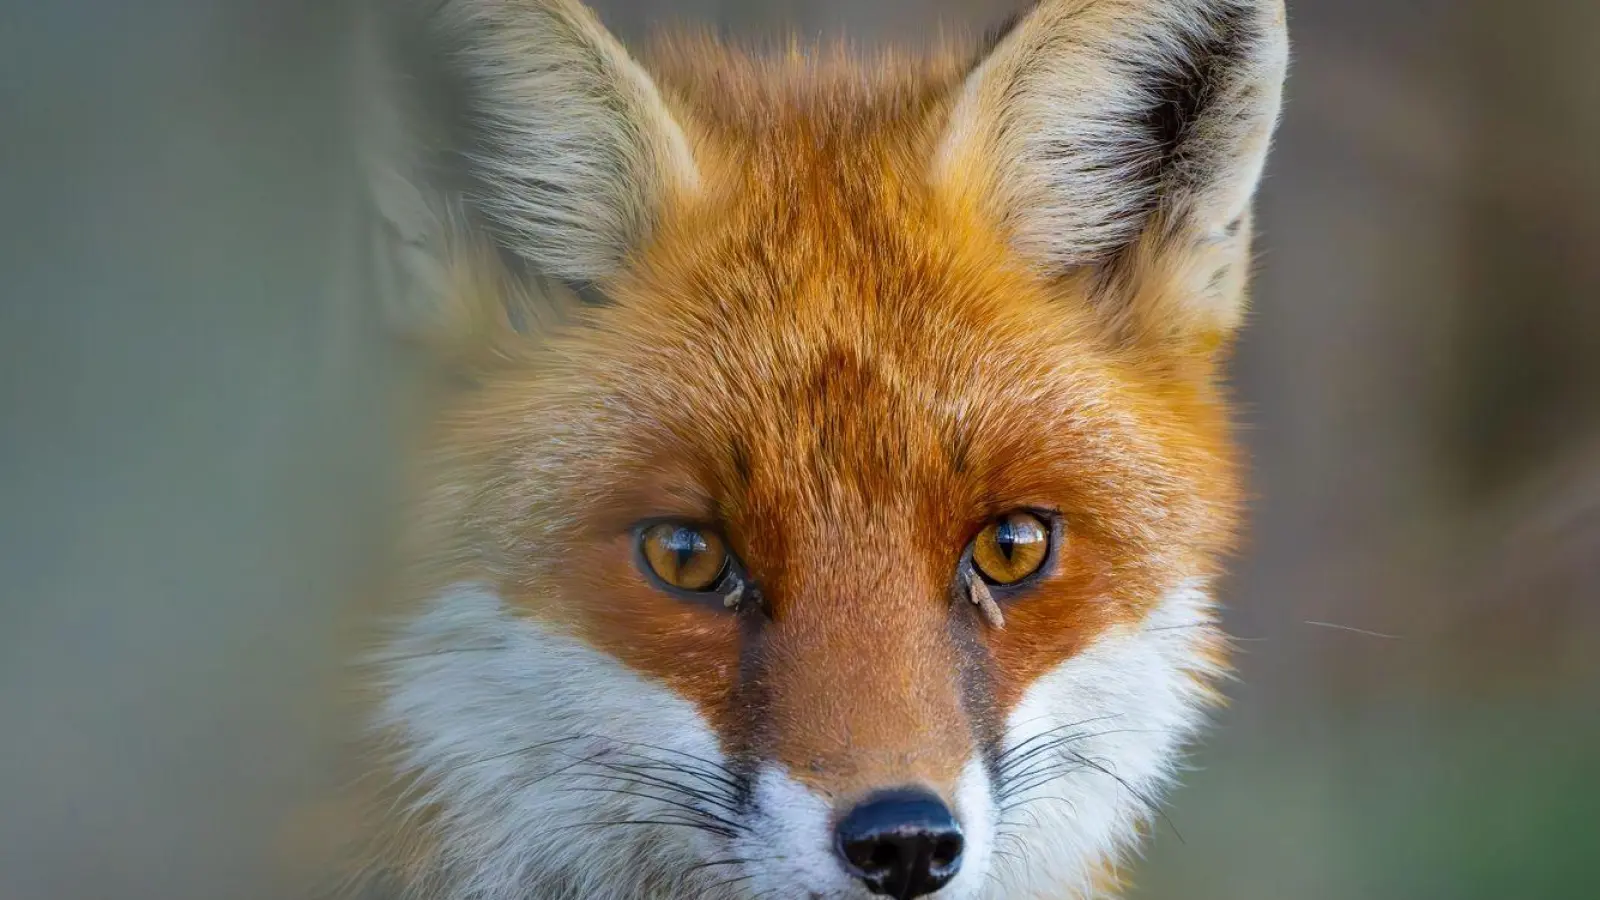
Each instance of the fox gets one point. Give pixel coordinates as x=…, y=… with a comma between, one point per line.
x=839, y=469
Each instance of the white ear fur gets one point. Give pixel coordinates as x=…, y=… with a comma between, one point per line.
x=576, y=150
x=1090, y=117
x=528, y=117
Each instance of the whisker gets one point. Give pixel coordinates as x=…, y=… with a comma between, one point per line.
x=1015, y=780
x=715, y=863
x=1040, y=780
x=1006, y=855
x=529, y=748
x=1023, y=804
x=646, y=773
x=1033, y=817
x=1006, y=769
x=1354, y=630
x=669, y=802
x=702, y=826
x=727, y=786
x=1007, y=754
x=728, y=783
x=1063, y=727
x=1009, y=768
x=712, y=766
x=1149, y=803
x=641, y=780
x=731, y=881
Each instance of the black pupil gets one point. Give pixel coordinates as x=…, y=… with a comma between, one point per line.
x=1011, y=534
x=686, y=544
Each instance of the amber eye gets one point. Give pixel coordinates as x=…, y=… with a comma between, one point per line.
x=683, y=556
x=1011, y=548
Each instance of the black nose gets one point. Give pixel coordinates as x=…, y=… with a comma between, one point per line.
x=901, y=843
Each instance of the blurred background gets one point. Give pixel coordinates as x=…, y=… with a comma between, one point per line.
x=199, y=412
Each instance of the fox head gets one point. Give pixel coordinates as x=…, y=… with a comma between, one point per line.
x=855, y=533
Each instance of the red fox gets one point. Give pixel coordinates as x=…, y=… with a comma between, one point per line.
x=850, y=529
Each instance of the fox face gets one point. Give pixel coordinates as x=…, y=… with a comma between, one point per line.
x=858, y=538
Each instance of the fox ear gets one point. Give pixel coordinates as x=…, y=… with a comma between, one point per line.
x=524, y=124
x=1125, y=139
x=573, y=149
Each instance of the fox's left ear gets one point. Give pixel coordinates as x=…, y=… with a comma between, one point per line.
x=1121, y=141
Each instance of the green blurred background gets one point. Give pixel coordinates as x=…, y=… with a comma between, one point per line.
x=198, y=416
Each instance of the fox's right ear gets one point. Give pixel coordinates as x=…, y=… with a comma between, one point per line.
x=514, y=146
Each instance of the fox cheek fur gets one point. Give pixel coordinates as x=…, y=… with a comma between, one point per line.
x=833, y=318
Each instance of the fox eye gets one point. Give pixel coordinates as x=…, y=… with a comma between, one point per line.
x=683, y=556
x=1011, y=548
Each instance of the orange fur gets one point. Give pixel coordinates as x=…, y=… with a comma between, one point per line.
x=847, y=366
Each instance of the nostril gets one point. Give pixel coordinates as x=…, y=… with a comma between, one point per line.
x=947, y=850
x=884, y=854
x=902, y=843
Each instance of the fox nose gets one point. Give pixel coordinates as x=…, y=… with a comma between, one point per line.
x=901, y=843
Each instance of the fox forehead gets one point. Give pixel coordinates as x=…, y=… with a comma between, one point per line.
x=931, y=411
x=818, y=296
